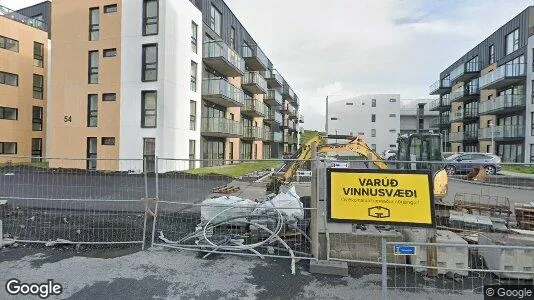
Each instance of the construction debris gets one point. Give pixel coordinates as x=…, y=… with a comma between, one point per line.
x=524, y=216
x=514, y=261
x=225, y=189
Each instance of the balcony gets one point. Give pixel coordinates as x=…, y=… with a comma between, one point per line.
x=287, y=93
x=503, y=76
x=295, y=101
x=289, y=139
x=470, y=113
x=252, y=133
x=273, y=117
x=465, y=72
x=274, y=79
x=471, y=135
x=466, y=94
x=254, y=58
x=435, y=122
x=221, y=58
x=273, y=98
x=434, y=105
x=439, y=87
x=277, y=137
x=221, y=127
x=15, y=16
x=502, y=105
x=456, y=116
x=267, y=135
x=254, y=108
x=456, y=137
x=502, y=132
x=221, y=92
x=254, y=83
x=290, y=111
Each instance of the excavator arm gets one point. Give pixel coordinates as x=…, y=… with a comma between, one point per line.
x=356, y=145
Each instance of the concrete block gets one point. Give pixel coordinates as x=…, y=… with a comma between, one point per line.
x=448, y=257
x=469, y=221
x=508, y=259
x=339, y=268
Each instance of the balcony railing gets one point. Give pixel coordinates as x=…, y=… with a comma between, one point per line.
x=220, y=91
x=503, y=76
x=273, y=117
x=288, y=93
x=221, y=127
x=434, y=123
x=255, y=59
x=15, y=16
x=273, y=97
x=290, y=110
x=274, y=79
x=465, y=71
x=220, y=57
x=502, y=104
x=254, y=83
x=434, y=105
x=267, y=135
x=440, y=86
x=471, y=135
x=465, y=93
x=254, y=108
x=252, y=132
x=456, y=137
x=502, y=132
x=277, y=137
x=456, y=116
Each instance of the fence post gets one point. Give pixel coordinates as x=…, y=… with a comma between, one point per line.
x=313, y=205
x=157, y=201
x=384, y=270
x=146, y=204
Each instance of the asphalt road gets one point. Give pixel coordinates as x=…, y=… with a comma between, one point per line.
x=162, y=274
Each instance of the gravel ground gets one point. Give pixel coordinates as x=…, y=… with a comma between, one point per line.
x=162, y=274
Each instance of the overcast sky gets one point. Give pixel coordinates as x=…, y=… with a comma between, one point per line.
x=354, y=47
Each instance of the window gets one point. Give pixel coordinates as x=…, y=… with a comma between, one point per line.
x=512, y=41
x=38, y=17
x=37, y=118
x=8, y=113
x=93, y=67
x=392, y=115
x=532, y=96
x=38, y=86
x=373, y=103
x=9, y=79
x=532, y=123
x=108, y=141
x=8, y=148
x=192, y=115
x=92, y=110
x=531, y=152
x=149, y=154
x=421, y=124
x=110, y=52
x=192, y=149
x=109, y=97
x=373, y=132
x=193, y=76
x=232, y=38
x=194, y=35
x=150, y=17
x=373, y=146
x=38, y=54
x=491, y=54
x=333, y=119
x=373, y=118
x=393, y=130
x=9, y=44
x=94, y=24
x=148, y=109
x=392, y=100
x=91, y=153
x=110, y=8
x=349, y=103
x=215, y=20
x=150, y=63
x=37, y=150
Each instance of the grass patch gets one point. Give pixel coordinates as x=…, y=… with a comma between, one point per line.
x=518, y=169
x=42, y=165
x=236, y=170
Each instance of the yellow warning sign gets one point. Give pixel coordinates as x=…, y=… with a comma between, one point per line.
x=395, y=197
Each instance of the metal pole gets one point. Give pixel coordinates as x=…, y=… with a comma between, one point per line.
x=157, y=201
x=313, y=204
x=384, y=271
x=326, y=120
x=492, y=141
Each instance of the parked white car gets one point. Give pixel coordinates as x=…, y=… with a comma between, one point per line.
x=390, y=154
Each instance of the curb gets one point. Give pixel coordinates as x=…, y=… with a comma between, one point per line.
x=495, y=184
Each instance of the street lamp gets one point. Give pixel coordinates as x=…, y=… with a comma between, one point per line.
x=491, y=125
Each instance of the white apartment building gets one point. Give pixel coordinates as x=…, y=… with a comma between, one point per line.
x=376, y=117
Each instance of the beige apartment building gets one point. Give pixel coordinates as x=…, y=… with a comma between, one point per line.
x=23, y=94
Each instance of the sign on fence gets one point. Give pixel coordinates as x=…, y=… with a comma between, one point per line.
x=404, y=250
x=392, y=197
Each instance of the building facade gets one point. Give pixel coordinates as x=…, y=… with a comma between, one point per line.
x=176, y=79
x=415, y=117
x=24, y=64
x=375, y=117
x=486, y=101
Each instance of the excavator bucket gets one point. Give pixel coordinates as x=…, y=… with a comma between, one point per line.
x=441, y=180
x=477, y=174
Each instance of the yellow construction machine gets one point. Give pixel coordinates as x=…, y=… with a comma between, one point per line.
x=418, y=147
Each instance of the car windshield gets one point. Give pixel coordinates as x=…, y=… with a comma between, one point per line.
x=452, y=157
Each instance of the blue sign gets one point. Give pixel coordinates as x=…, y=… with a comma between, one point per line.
x=404, y=250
